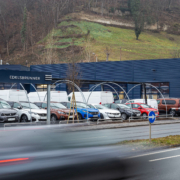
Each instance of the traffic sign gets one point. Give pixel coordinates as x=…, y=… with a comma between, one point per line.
x=152, y=117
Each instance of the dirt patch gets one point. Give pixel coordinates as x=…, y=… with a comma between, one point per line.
x=62, y=43
x=65, y=27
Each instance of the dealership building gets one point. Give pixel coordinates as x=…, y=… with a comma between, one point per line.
x=163, y=74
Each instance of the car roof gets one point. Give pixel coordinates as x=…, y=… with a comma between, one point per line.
x=135, y=103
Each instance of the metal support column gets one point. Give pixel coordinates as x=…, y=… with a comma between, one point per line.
x=145, y=96
x=48, y=104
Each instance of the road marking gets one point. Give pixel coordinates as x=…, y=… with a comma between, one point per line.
x=158, y=152
x=163, y=158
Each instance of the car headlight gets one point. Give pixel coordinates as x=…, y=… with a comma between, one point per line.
x=32, y=113
x=84, y=111
x=60, y=112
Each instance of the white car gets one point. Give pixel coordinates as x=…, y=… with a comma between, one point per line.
x=25, y=114
x=106, y=113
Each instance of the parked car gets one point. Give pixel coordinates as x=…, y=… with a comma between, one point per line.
x=57, y=96
x=58, y=110
x=151, y=102
x=173, y=105
x=24, y=114
x=97, y=97
x=36, y=113
x=125, y=111
x=144, y=109
x=106, y=113
x=7, y=114
x=84, y=111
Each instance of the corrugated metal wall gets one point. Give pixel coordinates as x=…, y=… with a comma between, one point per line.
x=159, y=70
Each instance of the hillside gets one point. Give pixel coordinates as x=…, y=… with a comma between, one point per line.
x=45, y=32
x=90, y=38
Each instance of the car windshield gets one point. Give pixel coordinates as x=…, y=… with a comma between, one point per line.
x=58, y=106
x=26, y=106
x=123, y=106
x=4, y=105
x=145, y=106
x=100, y=107
x=82, y=105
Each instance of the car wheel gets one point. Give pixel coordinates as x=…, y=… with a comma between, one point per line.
x=172, y=112
x=101, y=116
x=79, y=116
x=24, y=118
x=144, y=116
x=53, y=118
x=124, y=116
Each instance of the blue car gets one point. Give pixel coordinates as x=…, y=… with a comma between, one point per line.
x=84, y=111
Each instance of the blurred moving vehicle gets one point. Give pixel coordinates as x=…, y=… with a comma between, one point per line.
x=173, y=105
x=53, y=153
x=24, y=114
x=95, y=97
x=106, y=113
x=36, y=113
x=84, y=111
x=151, y=102
x=7, y=114
x=58, y=111
x=144, y=109
x=14, y=95
x=125, y=111
x=57, y=96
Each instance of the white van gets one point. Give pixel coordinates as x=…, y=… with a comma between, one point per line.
x=150, y=102
x=13, y=95
x=58, y=96
x=97, y=97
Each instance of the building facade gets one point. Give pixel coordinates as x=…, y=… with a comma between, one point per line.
x=162, y=74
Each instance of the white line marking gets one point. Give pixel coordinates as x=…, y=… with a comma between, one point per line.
x=163, y=158
x=154, y=153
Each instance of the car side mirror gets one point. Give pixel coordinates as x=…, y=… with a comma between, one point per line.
x=117, y=108
x=19, y=107
x=139, y=108
x=45, y=108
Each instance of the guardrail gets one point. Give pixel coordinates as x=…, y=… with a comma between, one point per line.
x=85, y=121
x=76, y=121
x=106, y=120
x=22, y=124
x=146, y=117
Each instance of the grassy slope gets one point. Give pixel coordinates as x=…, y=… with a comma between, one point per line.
x=149, y=46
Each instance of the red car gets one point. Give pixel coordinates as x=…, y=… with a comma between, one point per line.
x=144, y=108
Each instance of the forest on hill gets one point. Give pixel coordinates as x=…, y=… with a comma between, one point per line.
x=28, y=30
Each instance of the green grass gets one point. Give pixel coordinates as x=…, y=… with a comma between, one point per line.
x=149, y=46
x=156, y=142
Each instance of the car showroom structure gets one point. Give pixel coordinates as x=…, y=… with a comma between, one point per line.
x=160, y=73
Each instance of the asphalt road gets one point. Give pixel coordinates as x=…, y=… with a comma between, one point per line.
x=71, y=151
x=113, y=136
x=158, y=165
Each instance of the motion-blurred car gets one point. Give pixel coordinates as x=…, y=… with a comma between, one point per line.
x=106, y=113
x=84, y=111
x=126, y=111
x=7, y=114
x=58, y=111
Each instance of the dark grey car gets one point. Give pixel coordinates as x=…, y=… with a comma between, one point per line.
x=6, y=113
x=126, y=111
